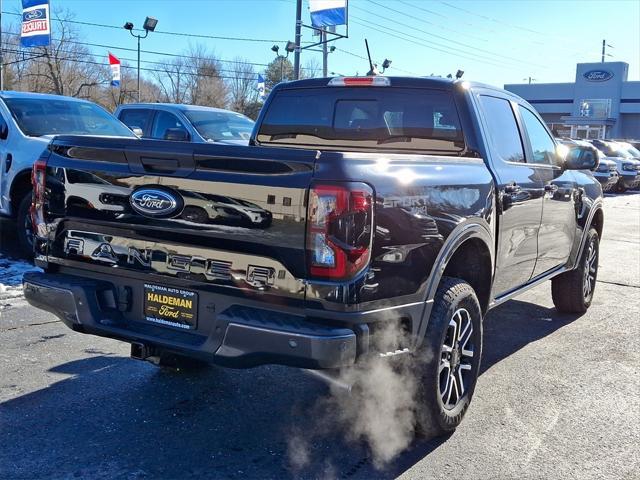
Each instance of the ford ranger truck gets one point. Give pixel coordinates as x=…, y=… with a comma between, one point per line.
x=405, y=204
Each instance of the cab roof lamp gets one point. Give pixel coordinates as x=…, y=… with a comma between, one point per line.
x=359, y=82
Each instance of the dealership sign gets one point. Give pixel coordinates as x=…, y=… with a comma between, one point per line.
x=598, y=75
x=36, y=26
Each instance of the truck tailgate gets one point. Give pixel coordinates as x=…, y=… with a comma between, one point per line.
x=226, y=218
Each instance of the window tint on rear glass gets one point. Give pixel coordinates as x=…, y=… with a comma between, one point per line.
x=377, y=118
x=503, y=129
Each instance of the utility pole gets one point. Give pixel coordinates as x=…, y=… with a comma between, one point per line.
x=604, y=45
x=296, y=58
x=1, y=52
x=325, y=53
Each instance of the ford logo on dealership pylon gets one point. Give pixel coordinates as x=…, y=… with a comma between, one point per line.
x=156, y=202
x=598, y=75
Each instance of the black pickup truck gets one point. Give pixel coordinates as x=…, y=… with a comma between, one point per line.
x=360, y=203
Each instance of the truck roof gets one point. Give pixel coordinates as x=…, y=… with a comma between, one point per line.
x=43, y=96
x=176, y=106
x=440, y=83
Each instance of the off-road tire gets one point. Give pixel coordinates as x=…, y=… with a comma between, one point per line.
x=568, y=289
x=23, y=222
x=619, y=187
x=434, y=418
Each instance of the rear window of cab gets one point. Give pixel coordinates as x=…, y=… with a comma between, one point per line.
x=419, y=120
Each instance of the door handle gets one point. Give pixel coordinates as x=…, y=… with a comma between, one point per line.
x=512, y=187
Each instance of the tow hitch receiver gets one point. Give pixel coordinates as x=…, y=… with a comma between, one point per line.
x=140, y=351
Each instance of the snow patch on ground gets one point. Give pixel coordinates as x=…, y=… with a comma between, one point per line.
x=11, y=271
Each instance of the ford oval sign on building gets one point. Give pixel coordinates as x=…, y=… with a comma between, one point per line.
x=598, y=75
x=156, y=202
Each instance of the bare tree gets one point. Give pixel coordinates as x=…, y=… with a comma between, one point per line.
x=65, y=67
x=242, y=85
x=311, y=69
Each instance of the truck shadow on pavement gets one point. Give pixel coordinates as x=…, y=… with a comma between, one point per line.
x=112, y=417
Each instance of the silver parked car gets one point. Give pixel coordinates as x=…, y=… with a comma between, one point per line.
x=28, y=122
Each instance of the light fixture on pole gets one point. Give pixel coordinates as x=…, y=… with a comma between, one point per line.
x=148, y=26
x=289, y=48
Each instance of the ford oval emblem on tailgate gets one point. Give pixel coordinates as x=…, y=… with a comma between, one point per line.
x=156, y=202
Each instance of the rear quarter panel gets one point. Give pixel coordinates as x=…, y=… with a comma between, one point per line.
x=422, y=204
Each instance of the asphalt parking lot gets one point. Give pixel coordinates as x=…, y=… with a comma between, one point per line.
x=559, y=397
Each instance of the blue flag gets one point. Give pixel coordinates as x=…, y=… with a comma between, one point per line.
x=326, y=13
x=261, y=86
x=36, y=23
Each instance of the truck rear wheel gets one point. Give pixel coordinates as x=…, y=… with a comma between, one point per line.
x=572, y=291
x=25, y=227
x=449, y=358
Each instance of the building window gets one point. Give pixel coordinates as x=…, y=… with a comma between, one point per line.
x=286, y=201
x=596, y=108
x=271, y=199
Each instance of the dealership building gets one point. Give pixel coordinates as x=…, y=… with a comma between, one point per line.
x=601, y=103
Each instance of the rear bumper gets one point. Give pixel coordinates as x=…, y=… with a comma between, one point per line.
x=239, y=336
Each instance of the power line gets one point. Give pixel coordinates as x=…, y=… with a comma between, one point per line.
x=466, y=46
x=151, y=52
x=421, y=42
x=161, y=32
x=91, y=62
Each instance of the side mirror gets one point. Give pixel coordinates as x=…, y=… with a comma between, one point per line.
x=582, y=158
x=4, y=131
x=137, y=131
x=176, y=135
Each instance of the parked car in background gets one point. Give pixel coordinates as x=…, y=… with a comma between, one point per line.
x=628, y=168
x=632, y=142
x=28, y=122
x=186, y=123
x=607, y=171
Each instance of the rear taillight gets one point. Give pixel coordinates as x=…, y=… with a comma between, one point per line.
x=339, y=230
x=39, y=184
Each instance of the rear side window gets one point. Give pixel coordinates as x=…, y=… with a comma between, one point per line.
x=137, y=117
x=377, y=118
x=503, y=129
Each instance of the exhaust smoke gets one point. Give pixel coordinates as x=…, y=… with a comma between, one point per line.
x=378, y=410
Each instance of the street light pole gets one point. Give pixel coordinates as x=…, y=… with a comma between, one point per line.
x=298, y=42
x=149, y=26
x=1, y=54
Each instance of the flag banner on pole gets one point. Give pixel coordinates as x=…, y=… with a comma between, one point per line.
x=36, y=23
x=261, y=86
x=325, y=13
x=114, y=63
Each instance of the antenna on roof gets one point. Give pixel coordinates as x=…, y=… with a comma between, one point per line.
x=372, y=68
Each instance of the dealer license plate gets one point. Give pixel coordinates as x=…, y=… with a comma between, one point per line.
x=170, y=306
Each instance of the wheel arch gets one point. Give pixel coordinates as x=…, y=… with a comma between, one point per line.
x=468, y=254
x=595, y=219
x=20, y=186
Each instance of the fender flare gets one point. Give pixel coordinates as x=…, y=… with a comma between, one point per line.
x=458, y=236
x=597, y=206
